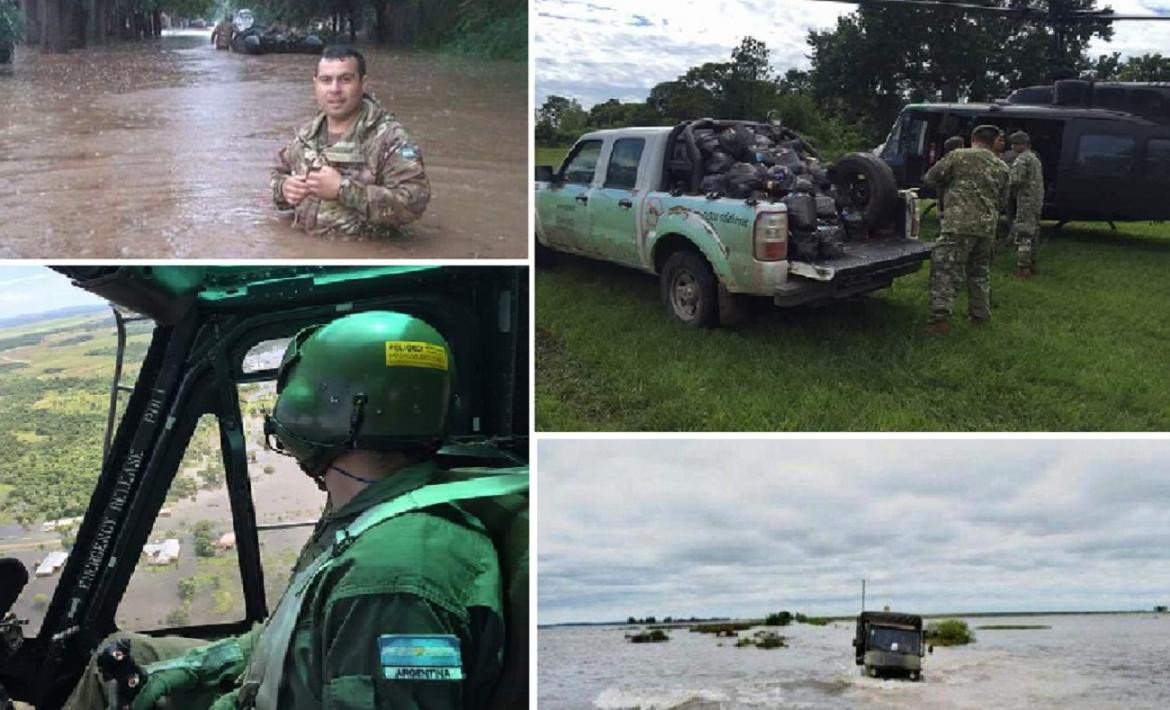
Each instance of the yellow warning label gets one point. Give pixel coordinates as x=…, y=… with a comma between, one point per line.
x=413, y=353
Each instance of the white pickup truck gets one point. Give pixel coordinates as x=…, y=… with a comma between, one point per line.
x=720, y=209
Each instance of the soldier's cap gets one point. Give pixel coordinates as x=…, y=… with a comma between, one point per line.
x=987, y=127
x=1020, y=138
x=953, y=142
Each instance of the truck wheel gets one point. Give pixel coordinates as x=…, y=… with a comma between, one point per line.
x=872, y=670
x=689, y=289
x=863, y=182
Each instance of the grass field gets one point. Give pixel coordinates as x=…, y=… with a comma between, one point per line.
x=1082, y=346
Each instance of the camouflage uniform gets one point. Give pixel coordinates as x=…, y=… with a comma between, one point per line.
x=1027, y=181
x=221, y=36
x=384, y=185
x=976, y=184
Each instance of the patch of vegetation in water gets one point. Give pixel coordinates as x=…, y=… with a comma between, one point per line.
x=763, y=639
x=949, y=632
x=652, y=636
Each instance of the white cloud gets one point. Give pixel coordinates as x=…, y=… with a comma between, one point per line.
x=746, y=527
x=594, y=50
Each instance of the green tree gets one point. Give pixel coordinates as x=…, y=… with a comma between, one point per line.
x=204, y=539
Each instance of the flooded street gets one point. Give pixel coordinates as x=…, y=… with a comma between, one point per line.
x=163, y=150
x=1081, y=661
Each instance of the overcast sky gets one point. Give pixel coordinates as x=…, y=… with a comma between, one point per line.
x=742, y=528
x=595, y=50
x=36, y=289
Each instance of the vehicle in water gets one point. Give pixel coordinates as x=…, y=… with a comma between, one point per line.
x=725, y=209
x=1104, y=147
x=889, y=643
x=206, y=322
x=250, y=37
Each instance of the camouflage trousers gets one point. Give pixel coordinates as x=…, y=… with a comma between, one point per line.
x=91, y=692
x=957, y=258
x=1026, y=246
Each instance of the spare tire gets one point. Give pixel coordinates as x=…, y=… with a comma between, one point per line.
x=865, y=183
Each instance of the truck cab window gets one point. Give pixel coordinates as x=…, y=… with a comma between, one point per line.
x=583, y=163
x=1106, y=156
x=622, y=171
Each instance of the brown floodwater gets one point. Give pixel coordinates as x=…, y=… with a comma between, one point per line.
x=163, y=150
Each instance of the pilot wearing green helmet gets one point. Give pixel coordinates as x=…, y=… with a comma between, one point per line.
x=397, y=600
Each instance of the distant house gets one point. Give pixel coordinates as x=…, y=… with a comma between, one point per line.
x=63, y=524
x=162, y=553
x=51, y=564
x=226, y=541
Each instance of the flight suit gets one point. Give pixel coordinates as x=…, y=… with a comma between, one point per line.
x=422, y=574
x=384, y=185
x=1027, y=182
x=975, y=181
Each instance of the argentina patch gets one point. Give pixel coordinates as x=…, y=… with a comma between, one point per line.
x=420, y=657
x=408, y=152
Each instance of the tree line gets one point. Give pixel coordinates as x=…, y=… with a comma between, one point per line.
x=863, y=71
x=495, y=28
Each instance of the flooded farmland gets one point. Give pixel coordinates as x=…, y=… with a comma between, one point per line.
x=162, y=149
x=1082, y=661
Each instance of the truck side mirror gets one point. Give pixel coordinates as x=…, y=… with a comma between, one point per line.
x=544, y=173
x=13, y=577
x=930, y=648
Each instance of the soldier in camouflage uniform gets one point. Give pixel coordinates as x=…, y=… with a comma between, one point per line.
x=1027, y=187
x=975, y=181
x=353, y=170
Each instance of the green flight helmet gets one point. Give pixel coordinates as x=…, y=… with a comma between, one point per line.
x=377, y=381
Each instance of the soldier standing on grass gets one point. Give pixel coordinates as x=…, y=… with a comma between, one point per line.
x=975, y=182
x=1027, y=187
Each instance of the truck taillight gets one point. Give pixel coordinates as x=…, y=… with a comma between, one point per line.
x=770, y=236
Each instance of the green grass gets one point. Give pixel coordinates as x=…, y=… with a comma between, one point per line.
x=1079, y=347
x=551, y=156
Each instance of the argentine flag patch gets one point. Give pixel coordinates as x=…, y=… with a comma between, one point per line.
x=420, y=657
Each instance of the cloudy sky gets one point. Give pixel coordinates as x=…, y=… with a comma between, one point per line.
x=599, y=49
x=741, y=527
x=36, y=289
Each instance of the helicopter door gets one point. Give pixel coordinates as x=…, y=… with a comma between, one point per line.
x=1154, y=183
x=1098, y=175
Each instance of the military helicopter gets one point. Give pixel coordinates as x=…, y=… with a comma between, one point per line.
x=1104, y=146
x=205, y=322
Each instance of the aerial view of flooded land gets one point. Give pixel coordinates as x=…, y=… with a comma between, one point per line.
x=163, y=149
x=1071, y=661
x=55, y=373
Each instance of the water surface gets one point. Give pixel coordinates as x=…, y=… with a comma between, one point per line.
x=1088, y=661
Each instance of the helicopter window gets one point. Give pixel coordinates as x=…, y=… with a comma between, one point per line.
x=264, y=355
x=913, y=138
x=1147, y=101
x=55, y=384
x=1107, y=156
x=189, y=572
x=287, y=502
x=1110, y=98
x=1158, y=158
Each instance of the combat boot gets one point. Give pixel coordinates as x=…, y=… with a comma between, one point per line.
x=938, y=327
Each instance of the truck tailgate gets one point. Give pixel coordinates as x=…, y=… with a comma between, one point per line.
x=864, y=257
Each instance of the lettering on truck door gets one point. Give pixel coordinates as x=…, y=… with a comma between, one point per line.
x=614, y=207
x=567, y=217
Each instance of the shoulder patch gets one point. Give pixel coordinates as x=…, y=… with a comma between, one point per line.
x=408, y=152
x=420, y=657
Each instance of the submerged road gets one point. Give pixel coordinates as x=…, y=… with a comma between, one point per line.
x=162, y=150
